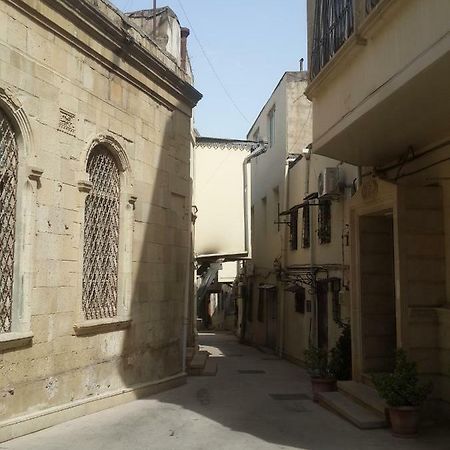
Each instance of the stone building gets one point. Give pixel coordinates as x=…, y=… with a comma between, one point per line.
x=298, y=273
x=95, y=211
x=380, y=93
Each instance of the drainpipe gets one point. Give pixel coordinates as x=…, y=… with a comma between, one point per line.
x=260, y=149
x=257, y=151
x=183, y=50
x=187, y=288
x=314, y=319
x=283, y=256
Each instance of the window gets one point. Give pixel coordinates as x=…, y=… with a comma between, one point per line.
x=324, y=219
x=101, y=237
x=333, y=25
x=256, y=135
x=271, y=127
x=261, y=300
x=8, y=204
x=293, y=230
x=300, y=299
x=305, y=227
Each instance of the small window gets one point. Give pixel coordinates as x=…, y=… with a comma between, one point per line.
x=261, y=299
x=305, y=228
x=300, y=300
x=271, y=127
x=293, y=230
x=324, y=219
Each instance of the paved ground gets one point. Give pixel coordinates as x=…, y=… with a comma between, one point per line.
x=232, y=410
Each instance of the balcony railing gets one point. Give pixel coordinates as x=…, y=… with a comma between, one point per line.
x=333, y=25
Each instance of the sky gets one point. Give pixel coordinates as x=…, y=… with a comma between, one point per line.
x=249, y=44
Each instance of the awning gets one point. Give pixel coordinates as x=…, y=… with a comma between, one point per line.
x=294, y=209
x=266, y=286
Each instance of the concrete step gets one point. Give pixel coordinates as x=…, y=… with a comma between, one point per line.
x=197, y=363
x=363, y=394
x=210, y=369
x=348, y=409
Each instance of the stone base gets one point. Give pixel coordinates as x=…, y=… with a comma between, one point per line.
x=31, y=423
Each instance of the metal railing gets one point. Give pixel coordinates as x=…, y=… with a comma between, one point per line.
x=370, y=4
x=333, y=25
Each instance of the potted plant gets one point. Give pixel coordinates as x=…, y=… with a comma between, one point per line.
x=318, y=367
x=404, y=394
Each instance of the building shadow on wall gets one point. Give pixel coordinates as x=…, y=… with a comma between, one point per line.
x=152, y=345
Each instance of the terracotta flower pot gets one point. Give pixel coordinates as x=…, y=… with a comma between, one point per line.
x=404, y=421
x=322, y=385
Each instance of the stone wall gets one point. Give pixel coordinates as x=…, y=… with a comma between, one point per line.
x=69, y=80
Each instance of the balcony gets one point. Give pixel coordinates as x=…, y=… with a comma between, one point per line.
x=379, y=77
x=333, y=25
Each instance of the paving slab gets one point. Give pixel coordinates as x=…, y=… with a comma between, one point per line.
x=229, y=411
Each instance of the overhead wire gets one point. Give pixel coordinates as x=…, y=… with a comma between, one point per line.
x=211, y=65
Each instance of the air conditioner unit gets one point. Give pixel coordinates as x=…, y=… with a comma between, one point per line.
x=329, y=182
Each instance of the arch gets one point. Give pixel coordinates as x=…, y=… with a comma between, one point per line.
x=113, y=145
x=13, y=108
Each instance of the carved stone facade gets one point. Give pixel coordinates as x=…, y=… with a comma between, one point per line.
x=71, y=94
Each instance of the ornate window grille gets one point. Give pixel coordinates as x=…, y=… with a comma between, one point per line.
x=333, y=25
x=101, y=237
x=8, y=200
x=370, y=4
x=324, y=219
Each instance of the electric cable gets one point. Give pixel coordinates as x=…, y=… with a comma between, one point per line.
x=214, y=71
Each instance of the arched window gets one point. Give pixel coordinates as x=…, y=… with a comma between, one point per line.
x=8, y=203
x=101, y=236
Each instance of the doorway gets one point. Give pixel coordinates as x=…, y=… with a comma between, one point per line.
x=272, y=318
x=377, y=272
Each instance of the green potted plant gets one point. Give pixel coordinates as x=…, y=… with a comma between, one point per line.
x=318, y=367
x=404, y=394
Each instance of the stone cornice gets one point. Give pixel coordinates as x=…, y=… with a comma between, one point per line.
x=122, y=38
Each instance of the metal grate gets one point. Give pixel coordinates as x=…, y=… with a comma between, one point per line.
x=8, y=194
x=333, y=25
x=101, y=237
x=371, y=4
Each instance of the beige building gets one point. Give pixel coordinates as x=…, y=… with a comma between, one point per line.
x=95, y=208
x=297, y=280
x=380, y=89
x=222, y=189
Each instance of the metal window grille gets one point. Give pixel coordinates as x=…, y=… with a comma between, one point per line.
x=333, y=25
x=293, y=230
x=305, y=228
x=370, y=4
x=324, y=219
x=8, y=200
x=101, y=237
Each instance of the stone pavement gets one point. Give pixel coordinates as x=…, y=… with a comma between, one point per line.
x=256, y=401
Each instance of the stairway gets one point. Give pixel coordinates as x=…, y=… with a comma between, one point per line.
x=359, y=403
x=200, y=364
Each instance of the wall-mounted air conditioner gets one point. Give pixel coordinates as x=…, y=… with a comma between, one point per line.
x=330, y=182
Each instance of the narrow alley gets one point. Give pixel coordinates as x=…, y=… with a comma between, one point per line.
x=256, y=401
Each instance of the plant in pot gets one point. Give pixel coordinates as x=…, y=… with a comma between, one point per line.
x=404, y=394
x=318, y=367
